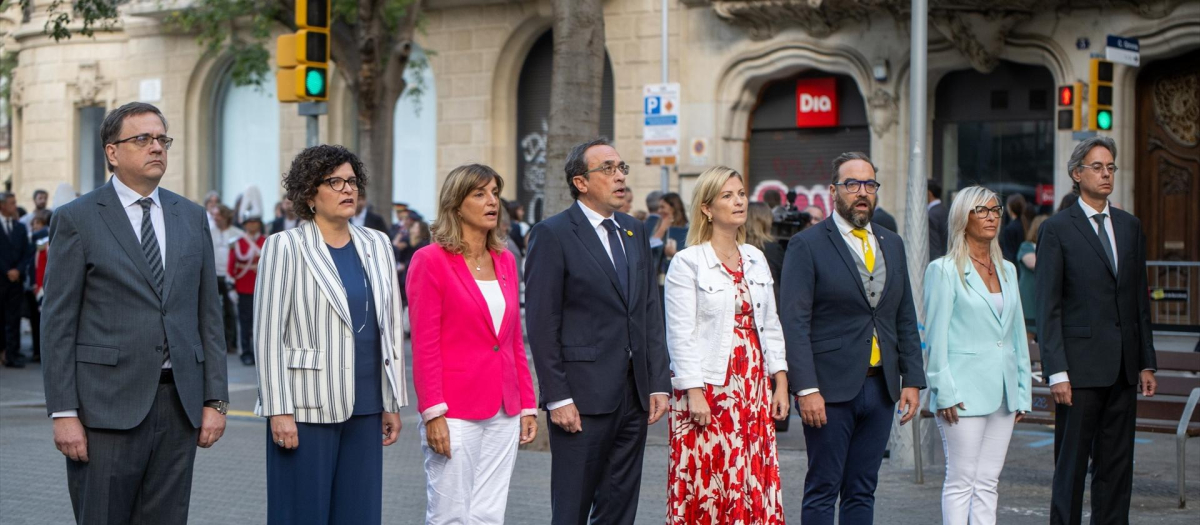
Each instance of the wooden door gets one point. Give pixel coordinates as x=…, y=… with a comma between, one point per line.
x=1167, y=185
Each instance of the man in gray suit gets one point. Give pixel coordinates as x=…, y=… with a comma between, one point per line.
x=132, y=336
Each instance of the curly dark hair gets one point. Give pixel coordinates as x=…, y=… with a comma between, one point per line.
x=309, y=170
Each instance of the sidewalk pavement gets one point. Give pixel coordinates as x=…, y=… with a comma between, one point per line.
x=229, y=485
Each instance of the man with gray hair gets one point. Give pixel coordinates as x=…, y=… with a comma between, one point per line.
x=1097, y=347
x=133, y=351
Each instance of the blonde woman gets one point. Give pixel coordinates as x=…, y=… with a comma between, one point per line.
x=474, y=390
x=726, y=344
x=978, y=370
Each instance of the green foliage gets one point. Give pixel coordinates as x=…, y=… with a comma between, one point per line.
x=241, y=26
x=8, y=63
x=63, y=16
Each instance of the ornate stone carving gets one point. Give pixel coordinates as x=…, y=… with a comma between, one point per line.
x=16, y=94
x=1176, y=180
x=980, y=38
x=1177, y=107
x=884, y=111
x=765, y=18
x=88, y=85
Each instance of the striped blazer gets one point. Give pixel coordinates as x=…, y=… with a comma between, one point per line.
x=304, y=343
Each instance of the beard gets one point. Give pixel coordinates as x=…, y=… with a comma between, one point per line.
x=860, y=219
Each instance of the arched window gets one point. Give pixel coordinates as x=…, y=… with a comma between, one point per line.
x=414, y=158
x=248, y=139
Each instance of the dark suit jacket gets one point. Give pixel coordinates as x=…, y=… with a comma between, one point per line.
x=105, y=323
x=885, y=219
x=15, y=251
x=1088, y=320
x=375, y=222
x=939, y=216
x=1011, y=238
x=827, y=321
x=277, y=225
x=582, y=326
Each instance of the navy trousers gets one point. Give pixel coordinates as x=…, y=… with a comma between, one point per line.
x=335, y=476
x=844, y=456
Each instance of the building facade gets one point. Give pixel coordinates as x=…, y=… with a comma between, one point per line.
x=774, y=89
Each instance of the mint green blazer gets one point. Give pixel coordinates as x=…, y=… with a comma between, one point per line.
x=976, y=355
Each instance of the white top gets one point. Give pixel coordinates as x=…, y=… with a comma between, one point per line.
x=1108, y=226
x=998, y=300
x=495, y=301
x=222, y=242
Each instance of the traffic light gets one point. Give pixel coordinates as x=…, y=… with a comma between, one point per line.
x=1100, y=95
x=1070, y=107
x=303, y=56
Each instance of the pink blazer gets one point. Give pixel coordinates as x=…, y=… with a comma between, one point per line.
x=461, y=368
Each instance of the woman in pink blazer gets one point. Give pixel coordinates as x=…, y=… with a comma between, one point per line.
x=474, y=390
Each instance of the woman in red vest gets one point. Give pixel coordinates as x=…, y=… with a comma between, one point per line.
x=243, y=269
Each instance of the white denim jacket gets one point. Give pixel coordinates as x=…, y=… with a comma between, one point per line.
x=700, y=298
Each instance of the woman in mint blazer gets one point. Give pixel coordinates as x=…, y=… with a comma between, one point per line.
x=979, y=373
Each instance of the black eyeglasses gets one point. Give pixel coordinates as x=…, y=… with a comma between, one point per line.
x=144, y=140
x=852, y=186
x=610, y=169
x=982, y=212
x=338, y=183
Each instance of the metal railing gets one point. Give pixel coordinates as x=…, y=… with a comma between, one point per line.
x=1174, y=288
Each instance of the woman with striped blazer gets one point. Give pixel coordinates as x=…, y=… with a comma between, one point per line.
x=472, y=378
x=329, y=347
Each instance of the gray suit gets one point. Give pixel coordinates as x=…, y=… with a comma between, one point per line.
x=105, y=329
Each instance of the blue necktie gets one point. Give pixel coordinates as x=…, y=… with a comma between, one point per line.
x=618, y=254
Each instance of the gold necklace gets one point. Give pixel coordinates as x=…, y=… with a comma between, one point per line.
x=475, y=262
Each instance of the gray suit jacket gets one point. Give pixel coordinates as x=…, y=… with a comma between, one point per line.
x=104, y=324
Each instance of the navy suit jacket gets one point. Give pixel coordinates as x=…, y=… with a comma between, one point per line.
x=15, y=250
x=582, y=328
x=827, y=321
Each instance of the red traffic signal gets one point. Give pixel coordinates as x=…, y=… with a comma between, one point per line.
x=1066, y=96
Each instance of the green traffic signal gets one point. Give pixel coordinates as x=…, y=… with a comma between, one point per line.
x=1104, y=119
x=314, y=83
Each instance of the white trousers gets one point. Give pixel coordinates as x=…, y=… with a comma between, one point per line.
x=975, y=450
x=472, y=486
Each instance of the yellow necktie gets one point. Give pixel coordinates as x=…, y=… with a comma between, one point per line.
x=869, y=259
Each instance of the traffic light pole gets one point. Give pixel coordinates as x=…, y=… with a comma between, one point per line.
x=312, y=112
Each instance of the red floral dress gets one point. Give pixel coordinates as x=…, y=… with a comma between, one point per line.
x=728, y=471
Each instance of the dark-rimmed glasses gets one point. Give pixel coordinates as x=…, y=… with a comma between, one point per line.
x=852, y=186
x=338, y=183
x=610, y=169
x=982, y=212
x=144, y=140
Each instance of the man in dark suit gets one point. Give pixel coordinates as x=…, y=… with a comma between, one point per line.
x=939, y=216
x=15, y=254
x=596, y=333
x=852, y=344
x=367, y=218
x=286, y=221
x=133, y=346
x=881, y=217
x=1096, y=342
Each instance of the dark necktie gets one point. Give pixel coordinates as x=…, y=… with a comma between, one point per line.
x=618, y=254
x=1108, y=247
x=150, y=244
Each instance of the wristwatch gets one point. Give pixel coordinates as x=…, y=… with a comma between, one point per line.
x=219, y=406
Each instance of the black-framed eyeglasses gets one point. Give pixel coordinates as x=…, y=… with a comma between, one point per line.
x=610, y=169
x=1099, y=168
x=852, y=186
x=144, y=140
x=339, y=184
x=982, y=212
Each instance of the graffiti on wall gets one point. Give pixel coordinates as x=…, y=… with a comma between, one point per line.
x=531, y=190
x=814, y=195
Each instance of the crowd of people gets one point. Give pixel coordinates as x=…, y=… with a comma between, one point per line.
x=704, y=318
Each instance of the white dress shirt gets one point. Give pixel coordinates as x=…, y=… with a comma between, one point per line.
x=1090, y=212
x=360, y=218
x=855, y=244
x=596, y=219
x=933, y=203
x=133, y=210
